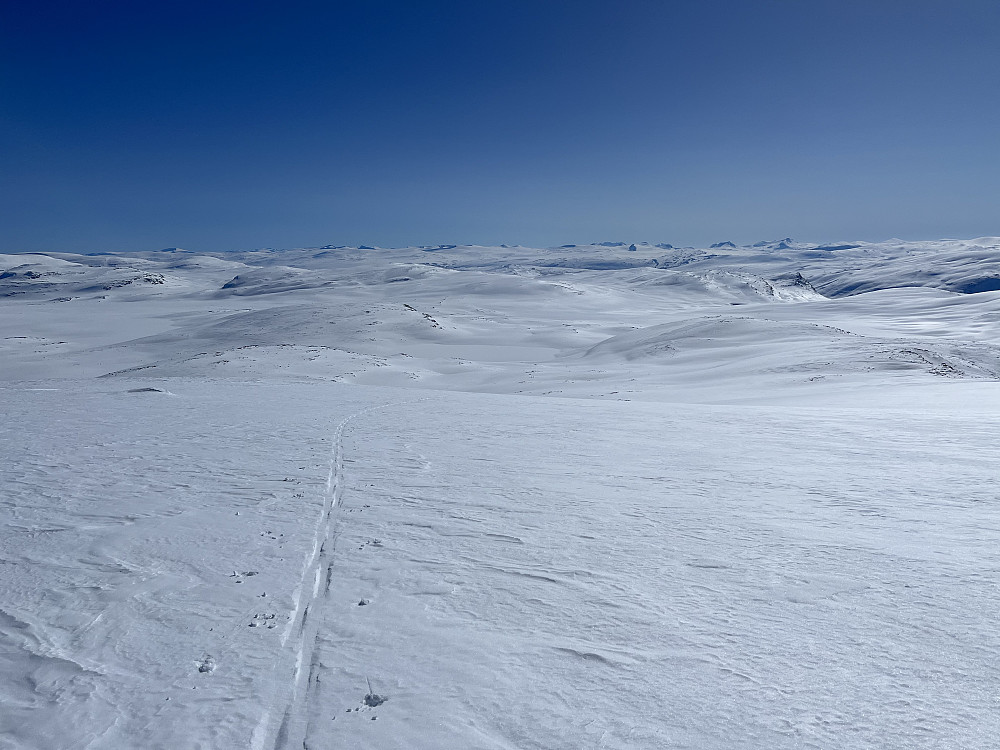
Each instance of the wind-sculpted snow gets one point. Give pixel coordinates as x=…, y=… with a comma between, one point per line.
x=272, y=280
x=501, y=319
x=610, y=495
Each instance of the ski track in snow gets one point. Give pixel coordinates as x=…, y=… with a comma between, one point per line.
x=298, y=622
x=292, y=732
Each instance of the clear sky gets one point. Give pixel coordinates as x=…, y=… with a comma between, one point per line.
x=233, y=125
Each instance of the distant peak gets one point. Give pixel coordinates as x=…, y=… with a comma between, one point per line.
x=727, y=243
x=784, y=244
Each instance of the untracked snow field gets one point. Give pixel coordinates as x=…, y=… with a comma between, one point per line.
x=501, y=498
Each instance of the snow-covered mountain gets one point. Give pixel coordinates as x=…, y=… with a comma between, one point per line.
x=519, y=320
x=610, y=495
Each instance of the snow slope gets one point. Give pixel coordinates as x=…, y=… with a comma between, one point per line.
x=501, y=498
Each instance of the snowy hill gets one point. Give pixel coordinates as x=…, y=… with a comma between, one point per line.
x=610, y=495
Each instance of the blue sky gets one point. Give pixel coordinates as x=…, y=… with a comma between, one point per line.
x=233, y=125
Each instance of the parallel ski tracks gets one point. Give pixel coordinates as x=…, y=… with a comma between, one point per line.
x=302, y=628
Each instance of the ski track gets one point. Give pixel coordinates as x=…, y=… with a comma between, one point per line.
x=293, y=730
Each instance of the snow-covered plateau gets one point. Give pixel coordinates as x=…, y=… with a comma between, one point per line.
x=595, y=496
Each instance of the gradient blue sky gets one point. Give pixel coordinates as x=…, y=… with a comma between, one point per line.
x=234, y=125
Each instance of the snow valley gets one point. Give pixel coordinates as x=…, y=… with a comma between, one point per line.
x=600, y=496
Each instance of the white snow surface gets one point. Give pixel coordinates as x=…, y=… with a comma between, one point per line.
x=502, y=497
